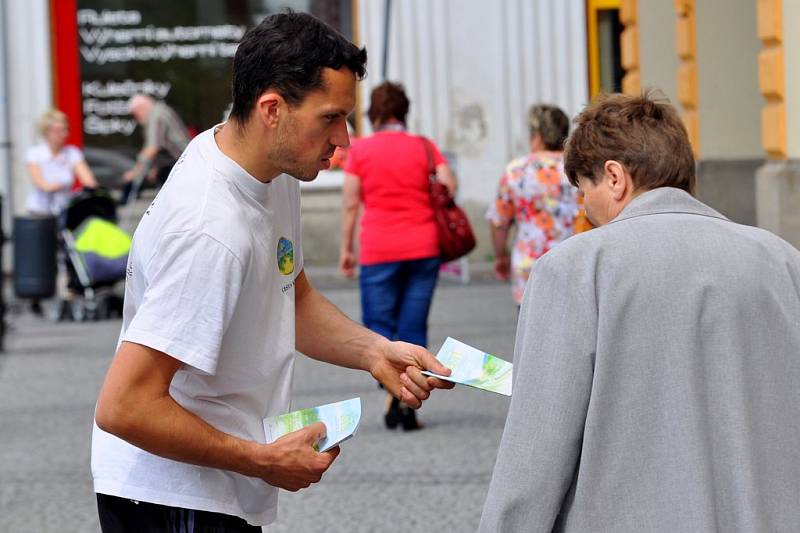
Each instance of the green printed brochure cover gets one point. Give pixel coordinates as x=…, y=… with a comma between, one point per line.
x=341, y=421
x=473, y=367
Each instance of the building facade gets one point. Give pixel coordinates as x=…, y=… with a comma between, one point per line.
x=471, y=69
x=732, y=68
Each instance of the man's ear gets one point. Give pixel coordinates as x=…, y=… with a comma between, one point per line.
x=269, y=108
x=618, y=179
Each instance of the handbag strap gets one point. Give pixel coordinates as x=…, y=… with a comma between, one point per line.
x=429, y=154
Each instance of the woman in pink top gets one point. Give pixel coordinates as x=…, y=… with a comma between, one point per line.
x=398, y=249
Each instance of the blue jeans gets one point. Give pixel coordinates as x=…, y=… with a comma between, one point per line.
x=396, y=298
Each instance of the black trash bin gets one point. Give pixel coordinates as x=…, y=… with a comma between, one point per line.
x=35, y=267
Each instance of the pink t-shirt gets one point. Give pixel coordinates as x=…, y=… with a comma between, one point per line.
x=397, y=224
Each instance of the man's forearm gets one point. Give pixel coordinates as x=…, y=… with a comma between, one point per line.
x=135, y=405
x=147, y=154
x=165, y=428
x=324, y=333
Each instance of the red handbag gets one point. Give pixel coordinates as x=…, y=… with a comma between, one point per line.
x=456, y=238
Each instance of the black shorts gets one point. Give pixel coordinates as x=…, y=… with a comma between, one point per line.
x=121, y=515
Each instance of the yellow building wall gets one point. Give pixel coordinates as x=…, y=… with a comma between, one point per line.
x=772, y=83
x=631, y=62
x=791, y=44
x=658, y=61
x=727, y=79
x=686, y=46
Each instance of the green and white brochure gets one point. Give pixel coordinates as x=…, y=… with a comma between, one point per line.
x=341, y=422
x=473, y=367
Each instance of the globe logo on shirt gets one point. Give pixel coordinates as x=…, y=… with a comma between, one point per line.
x=285, y=256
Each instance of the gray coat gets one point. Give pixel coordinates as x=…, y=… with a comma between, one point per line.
x=656, y=380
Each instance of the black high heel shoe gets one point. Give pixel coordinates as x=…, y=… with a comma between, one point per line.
x=408, y=416
x=392, y=415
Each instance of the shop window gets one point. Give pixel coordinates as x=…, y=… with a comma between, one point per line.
x=179, y=52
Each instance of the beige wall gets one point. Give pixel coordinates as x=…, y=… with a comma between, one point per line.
x=471, y=71
x=658, y=60
x=29, y=85
x=791, y=50
x=727, y=69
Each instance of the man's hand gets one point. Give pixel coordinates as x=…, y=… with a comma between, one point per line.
x=398, y=367
x=324, y=333
x=292, y=462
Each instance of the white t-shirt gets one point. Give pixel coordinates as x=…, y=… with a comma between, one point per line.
x=211, y=283
x=56, y=168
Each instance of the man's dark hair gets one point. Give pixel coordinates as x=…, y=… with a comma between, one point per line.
x=287, y=52
x=388, y=101
x=642, y=132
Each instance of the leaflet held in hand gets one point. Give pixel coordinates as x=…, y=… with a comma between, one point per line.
x=341, y=421
x=473, y=367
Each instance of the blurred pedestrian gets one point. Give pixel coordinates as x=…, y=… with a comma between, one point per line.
x=535, y=195
x=389, y=172
x=165, y=139
x=657, y=356
x=53, y=166
x=217, y=305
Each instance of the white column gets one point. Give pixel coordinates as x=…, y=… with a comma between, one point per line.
x=5, y=140
x=472, y=68
x=26, y=29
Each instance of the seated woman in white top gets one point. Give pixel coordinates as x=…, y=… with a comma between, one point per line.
x=52, y=165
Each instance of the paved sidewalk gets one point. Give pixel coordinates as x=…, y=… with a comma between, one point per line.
x=432, y=480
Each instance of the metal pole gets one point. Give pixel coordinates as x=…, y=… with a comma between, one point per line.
x=387, y=16
x=2, y=282
x=5, y=158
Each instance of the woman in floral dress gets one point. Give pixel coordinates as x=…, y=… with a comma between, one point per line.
x=535, y=195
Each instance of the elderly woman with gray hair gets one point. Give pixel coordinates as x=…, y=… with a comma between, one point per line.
x=535, y=195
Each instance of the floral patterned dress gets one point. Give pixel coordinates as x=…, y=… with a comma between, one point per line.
x=534, y=193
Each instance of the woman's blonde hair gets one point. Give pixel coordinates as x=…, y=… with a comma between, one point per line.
x=50, y=117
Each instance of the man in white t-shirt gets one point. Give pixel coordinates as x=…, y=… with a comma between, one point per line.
x=217, y=303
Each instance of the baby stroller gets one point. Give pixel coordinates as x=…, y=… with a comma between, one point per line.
x=96, y=251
